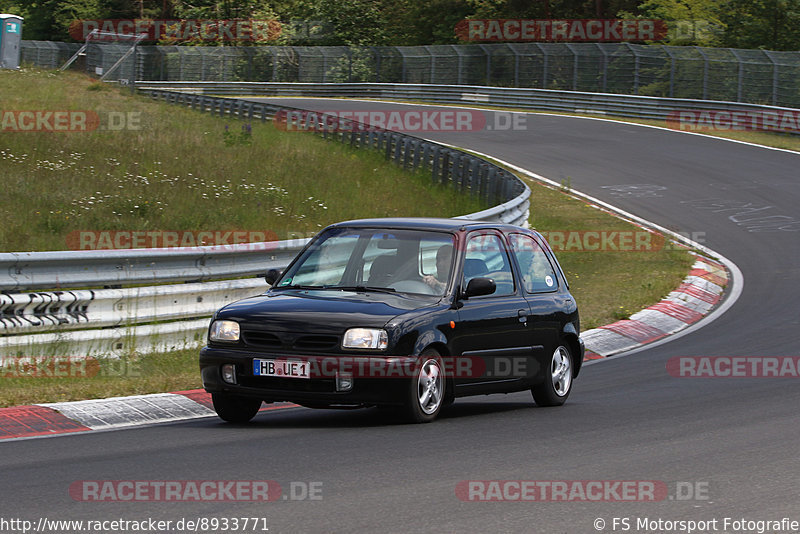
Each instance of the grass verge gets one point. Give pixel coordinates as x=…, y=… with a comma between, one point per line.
x=173, y=169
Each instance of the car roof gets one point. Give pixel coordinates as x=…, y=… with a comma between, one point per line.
x=426, y=223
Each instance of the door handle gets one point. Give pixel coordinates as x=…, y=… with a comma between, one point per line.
x=523, y=315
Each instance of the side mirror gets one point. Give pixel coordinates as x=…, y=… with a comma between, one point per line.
x=480, y=286
x=272, y=275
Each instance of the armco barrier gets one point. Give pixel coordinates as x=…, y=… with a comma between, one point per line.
x=642, y=107
x=100, y=308
x=41, y=313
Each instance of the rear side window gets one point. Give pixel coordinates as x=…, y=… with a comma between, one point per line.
x=538, y=275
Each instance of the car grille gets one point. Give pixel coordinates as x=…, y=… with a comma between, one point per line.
x=261, y=339
x=316, y=342
x=258, y=339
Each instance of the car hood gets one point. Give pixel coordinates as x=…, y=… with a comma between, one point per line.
x=330, y=311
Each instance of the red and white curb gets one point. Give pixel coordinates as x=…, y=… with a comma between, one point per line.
x=107, y=414
x=699, y=293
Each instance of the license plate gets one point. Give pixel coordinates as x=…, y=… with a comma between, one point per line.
x=281, y=368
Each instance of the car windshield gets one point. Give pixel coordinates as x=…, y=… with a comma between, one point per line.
x=403, y=261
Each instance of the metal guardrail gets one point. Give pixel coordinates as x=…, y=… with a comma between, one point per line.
x=24, y=271
x=102, y=308
x=642, y=107
x=121, y=320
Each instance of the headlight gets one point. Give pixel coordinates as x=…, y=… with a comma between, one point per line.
x=224, y=331
x=365, y=338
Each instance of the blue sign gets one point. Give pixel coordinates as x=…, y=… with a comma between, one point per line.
x=12, y=27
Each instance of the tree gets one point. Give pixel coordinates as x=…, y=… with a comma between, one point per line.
x=768, y=24
x=689, y=22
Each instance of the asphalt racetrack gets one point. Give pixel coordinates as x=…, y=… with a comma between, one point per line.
x=713, y=448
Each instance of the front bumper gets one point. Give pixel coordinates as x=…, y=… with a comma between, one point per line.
x=377, y=379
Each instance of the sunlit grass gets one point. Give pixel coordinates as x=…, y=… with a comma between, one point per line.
x=182, y=170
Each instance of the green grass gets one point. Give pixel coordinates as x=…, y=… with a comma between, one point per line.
x=273, y=180
x=607, y=284
x=132, y=375
x=183, y=171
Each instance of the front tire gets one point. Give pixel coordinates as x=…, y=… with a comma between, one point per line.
x=556, y=379
x=235, y=409
x=426, y=392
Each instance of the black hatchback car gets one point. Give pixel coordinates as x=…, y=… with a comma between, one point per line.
x=406, y=314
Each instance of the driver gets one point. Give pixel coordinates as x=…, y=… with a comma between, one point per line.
x=443, y=257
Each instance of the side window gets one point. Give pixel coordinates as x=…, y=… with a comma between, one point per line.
x=486, y=257
x=537, y=274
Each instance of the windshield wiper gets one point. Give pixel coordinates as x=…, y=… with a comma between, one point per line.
x=363, y=289
x=298, y=286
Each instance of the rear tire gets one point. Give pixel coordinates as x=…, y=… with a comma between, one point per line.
x=426, y=390
x=235, y=409
x=556, y=379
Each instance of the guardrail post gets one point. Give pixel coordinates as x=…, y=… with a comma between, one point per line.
x=398, y=149
x=408, y=153
x=436, y=164
x=419, y=146
x=456, y=175
x=474, y=172
x=486, y=175
x=386, y=142
x=446, y=162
